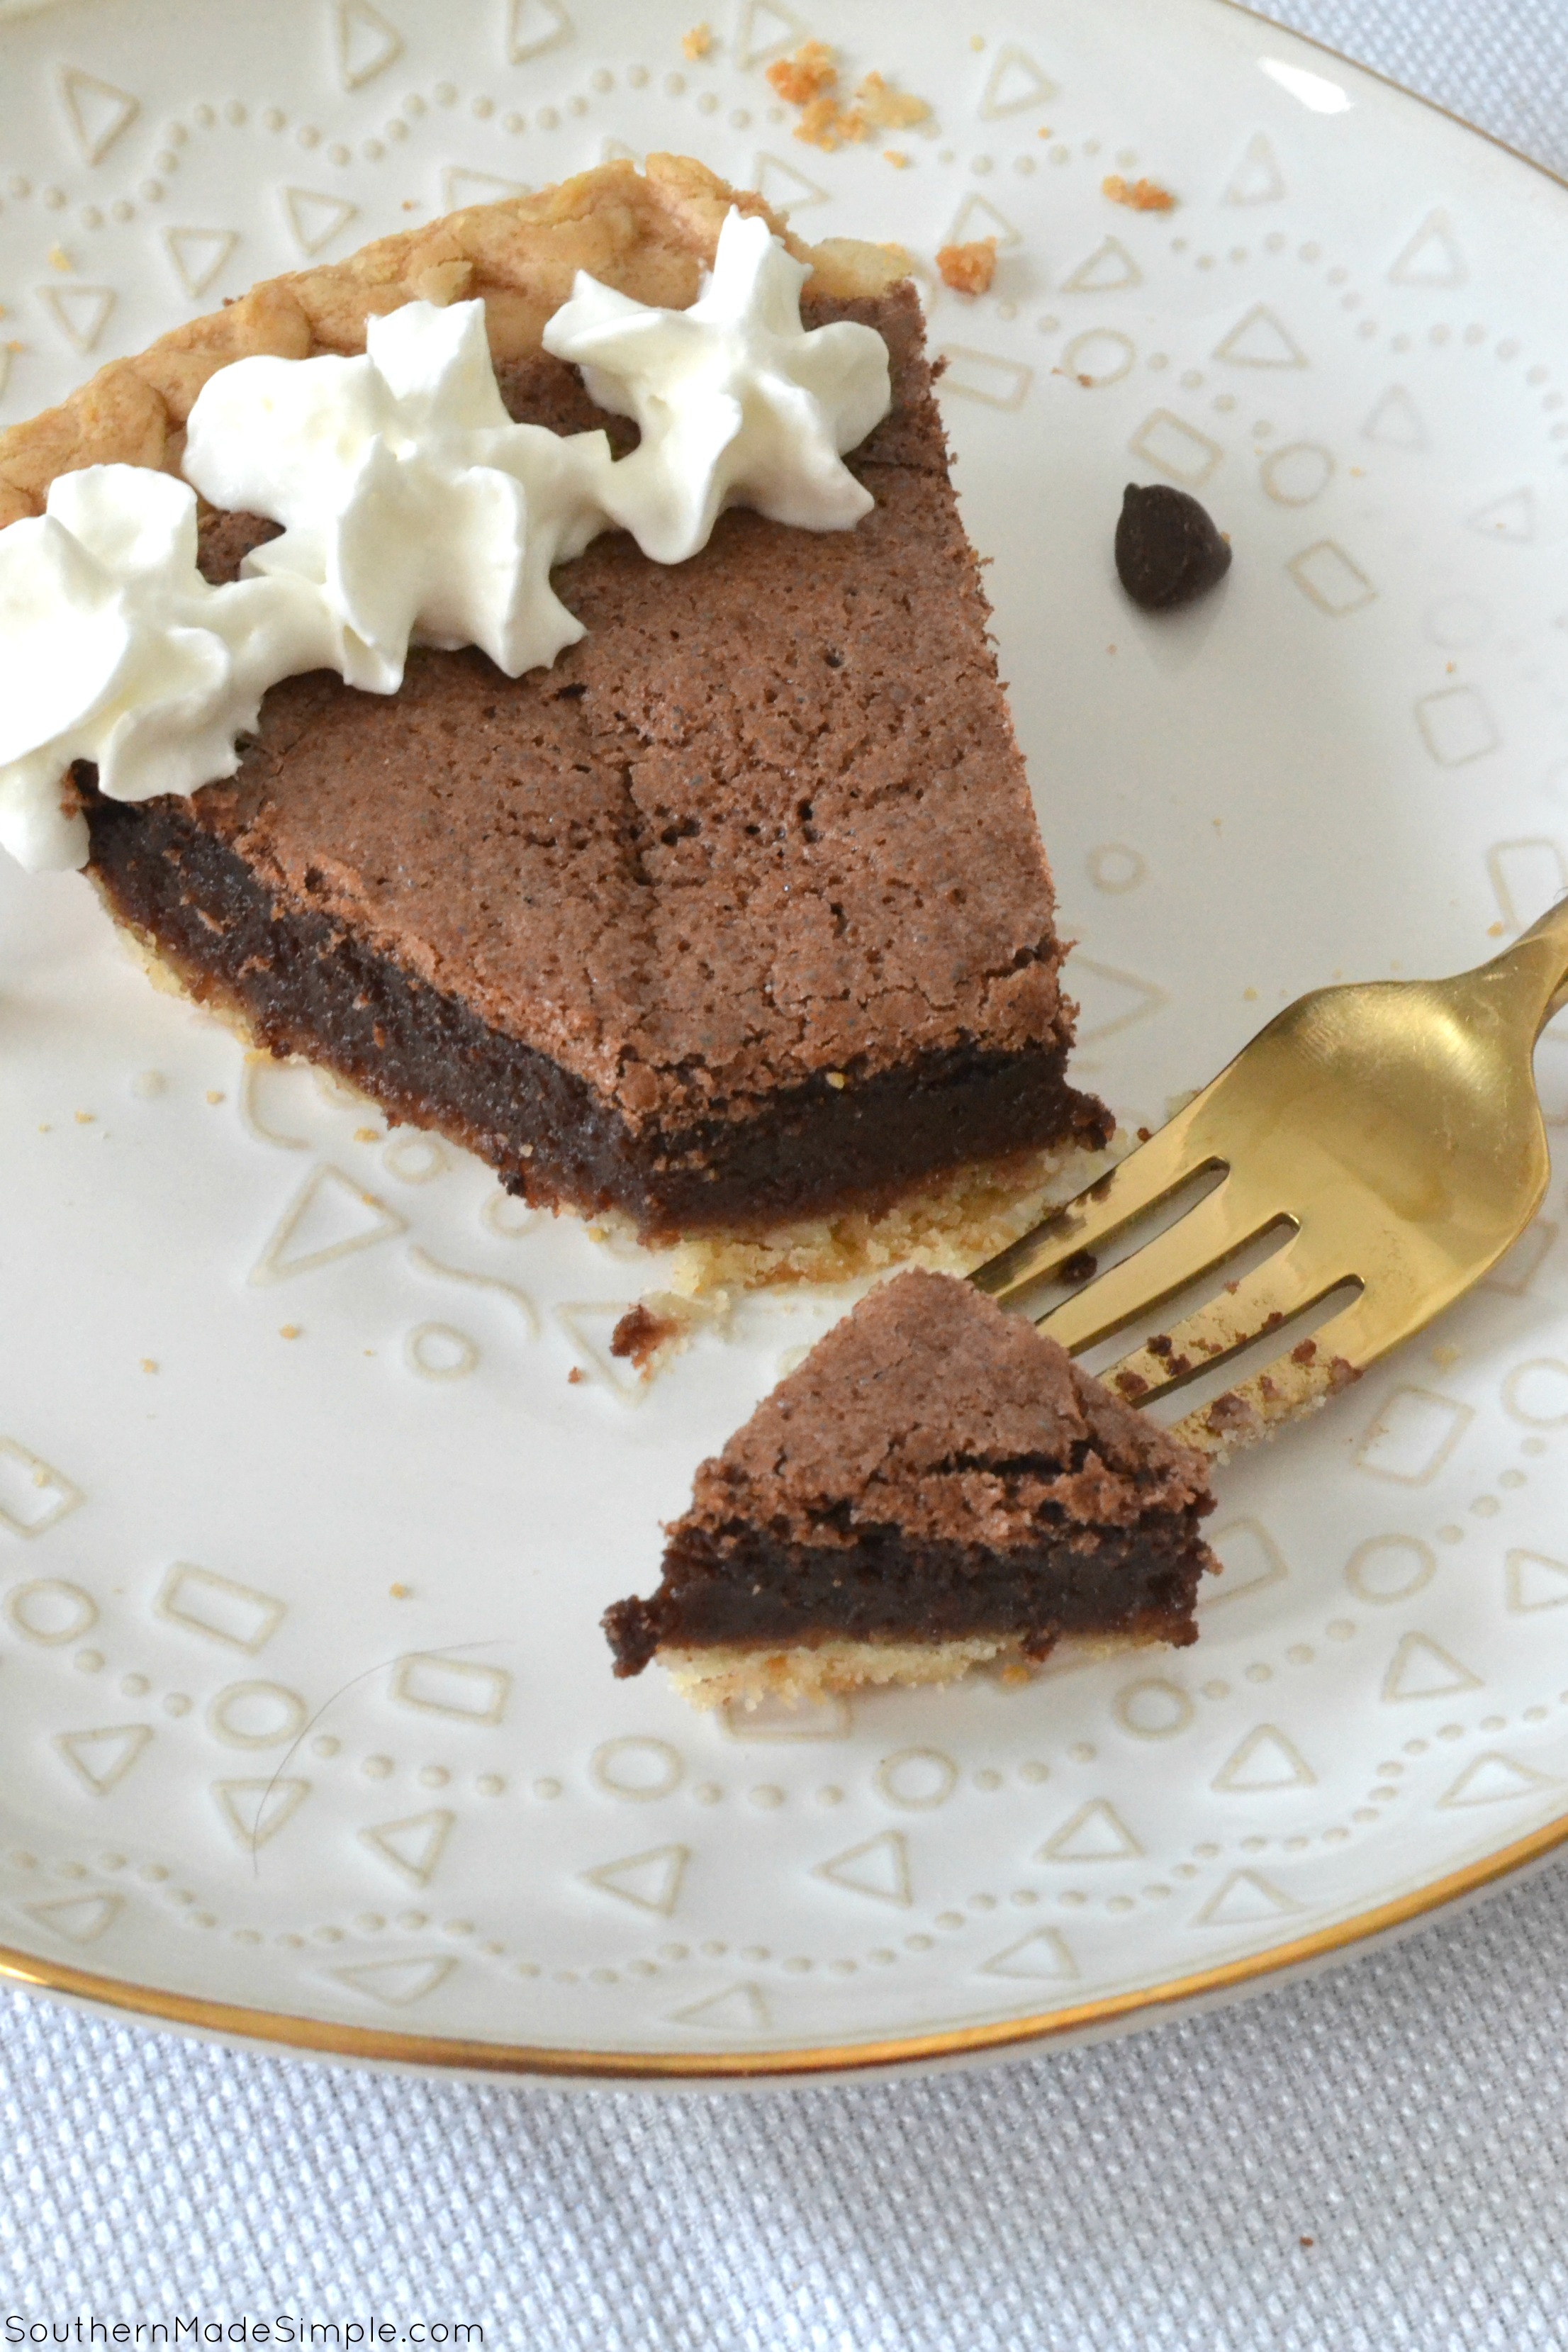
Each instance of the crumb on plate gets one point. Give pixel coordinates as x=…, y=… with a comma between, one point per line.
x=883, y=108
x=809, y=80
x=969, y=269
x=1138, y=195
x=805, y=76
x=659, y=1326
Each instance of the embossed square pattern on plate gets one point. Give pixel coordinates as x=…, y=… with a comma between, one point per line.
x=305, y=1527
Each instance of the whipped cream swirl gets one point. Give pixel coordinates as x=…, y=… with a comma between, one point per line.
x=414, y=512
x=738, y=404
x=410, y=501
x=113, y=649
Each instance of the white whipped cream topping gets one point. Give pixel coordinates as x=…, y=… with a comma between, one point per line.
x=409, y=499
x=738, y=404
x=113, y=649
x=413, y=512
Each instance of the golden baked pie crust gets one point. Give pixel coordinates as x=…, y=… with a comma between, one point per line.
x=649, y=234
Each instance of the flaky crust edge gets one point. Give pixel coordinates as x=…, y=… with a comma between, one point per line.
x=649, y=234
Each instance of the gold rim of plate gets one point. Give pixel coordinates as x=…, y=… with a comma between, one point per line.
x=451, y=2053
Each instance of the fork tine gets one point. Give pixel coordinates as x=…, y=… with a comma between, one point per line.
x=1285, y=1284
x=1093, y=1217
x=1219, y=1226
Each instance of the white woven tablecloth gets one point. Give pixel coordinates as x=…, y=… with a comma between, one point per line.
x=1378, y=2159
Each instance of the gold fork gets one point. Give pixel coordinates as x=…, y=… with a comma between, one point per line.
x=1389, y=1136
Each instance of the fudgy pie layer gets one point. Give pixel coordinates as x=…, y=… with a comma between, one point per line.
x=736, y=912
x=733, y=1585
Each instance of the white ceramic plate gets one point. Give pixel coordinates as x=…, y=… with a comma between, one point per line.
x=306, y=1725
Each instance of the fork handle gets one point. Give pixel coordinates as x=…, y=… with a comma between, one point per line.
x=1538, y=962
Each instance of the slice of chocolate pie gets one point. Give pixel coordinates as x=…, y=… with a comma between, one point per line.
x=937, y=1486
x=736, y=914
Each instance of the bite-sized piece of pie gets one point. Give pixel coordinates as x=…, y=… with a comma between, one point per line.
x=937, y=1486
x=738, y=913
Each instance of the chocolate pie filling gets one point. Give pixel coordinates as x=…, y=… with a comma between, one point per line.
x=737, y=911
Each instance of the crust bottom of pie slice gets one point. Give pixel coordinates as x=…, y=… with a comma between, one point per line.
x=744, y=1676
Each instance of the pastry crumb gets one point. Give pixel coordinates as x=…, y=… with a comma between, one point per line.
x=886, y=108
x=399, y=1592
x=836, y=1080
x=287, y=1330
x=640, y=1334
x=59, y=258
x=149, y=1364
x=696, y=43
x=968, y=269
x=85, y=1117
x=576, y=1376
x=895, y=157
x=216, y=1094
x=367, y=1135
x=809, y=80
x=799, y=78
x=823, y=124
x=1138, y=195
x=660, y=1326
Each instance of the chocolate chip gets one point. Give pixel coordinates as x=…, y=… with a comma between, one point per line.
x=1167, y=549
